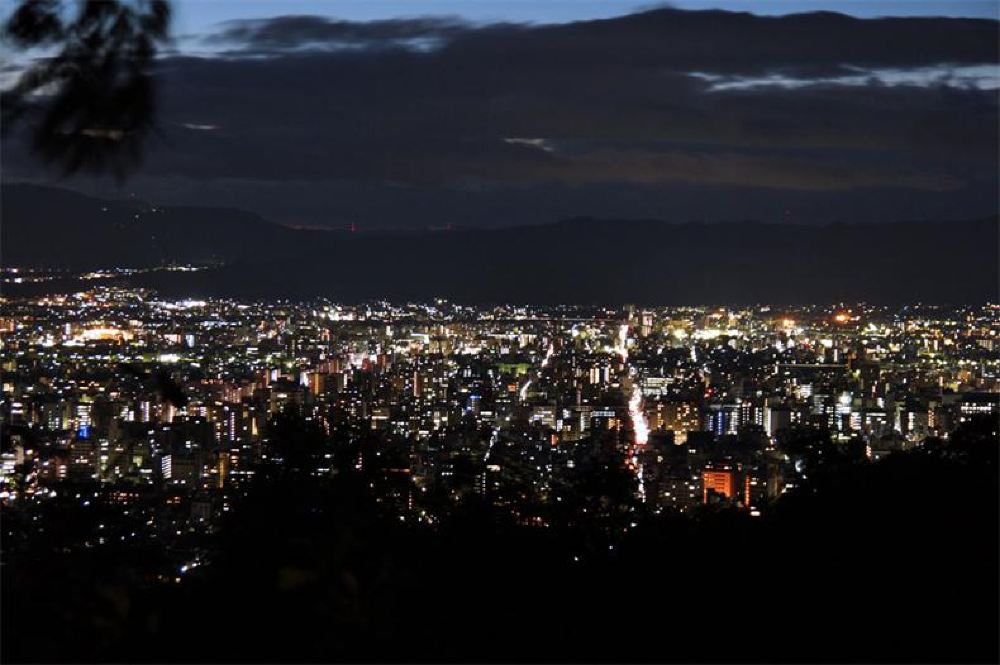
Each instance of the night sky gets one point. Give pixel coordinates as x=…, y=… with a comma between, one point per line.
x=407, y=115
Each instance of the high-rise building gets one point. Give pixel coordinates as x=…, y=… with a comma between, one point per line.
x=776, y=418
x=718, y=481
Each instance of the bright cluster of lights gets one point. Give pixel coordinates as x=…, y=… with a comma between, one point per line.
x=635, y=412
x=623, y=342
x=640, y=428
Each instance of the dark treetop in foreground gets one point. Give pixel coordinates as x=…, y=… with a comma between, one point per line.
x=894, y=561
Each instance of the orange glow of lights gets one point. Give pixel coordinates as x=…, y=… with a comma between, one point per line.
x=104, y=334
x=720, y=481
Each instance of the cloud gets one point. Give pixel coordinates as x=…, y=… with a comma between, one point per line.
x=538, y=144
x=439, y=119
x=296, y=33
x=714, y=41
x=983, y=77
x=665, y=113
x=744, y=169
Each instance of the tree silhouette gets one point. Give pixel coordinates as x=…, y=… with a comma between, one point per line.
x=295, y=441
x=89, y=101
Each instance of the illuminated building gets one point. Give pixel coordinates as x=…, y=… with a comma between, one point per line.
x=978, y=404
x=718, y=481
x=776, y=418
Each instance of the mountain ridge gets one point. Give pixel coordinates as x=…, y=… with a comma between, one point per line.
x=578, y=260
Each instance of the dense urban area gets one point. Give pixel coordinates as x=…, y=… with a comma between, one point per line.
x=499, y=332
x=143, y=430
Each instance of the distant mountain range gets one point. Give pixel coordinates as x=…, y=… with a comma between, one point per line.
x=53, y=227
x=573, y=261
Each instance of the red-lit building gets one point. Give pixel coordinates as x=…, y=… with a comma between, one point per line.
x=720, y=481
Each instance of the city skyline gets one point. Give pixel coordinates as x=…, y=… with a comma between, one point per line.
x=486, y=332
x=198, y=428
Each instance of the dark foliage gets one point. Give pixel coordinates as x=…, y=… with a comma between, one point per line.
x=89, y=100
x=159, y=381
x=888, y=562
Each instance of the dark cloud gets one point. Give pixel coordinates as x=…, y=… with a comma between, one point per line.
x=286, y=33
x=712, y=41
x=500, y=124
